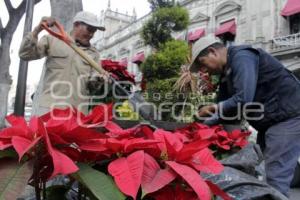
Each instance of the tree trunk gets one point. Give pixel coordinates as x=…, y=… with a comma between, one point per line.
x=6, y=34
x=5, y=79
x=65, y=10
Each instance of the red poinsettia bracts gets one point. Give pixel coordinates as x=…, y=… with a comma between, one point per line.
x=139, y=169
x=62, y=164
x=100, y=115
x=117, y=70
x=154, y=177
x=171, y=193
x=192, y=178
x=25, y=138
x=162, y=160
x=70, y=126
x=216, y=134
x=206, y=84
x=239, y=138
x=58, y=135
x=127, y=173
x=21, y=136
x=165, y=165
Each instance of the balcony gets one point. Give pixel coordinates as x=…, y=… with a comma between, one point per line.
x=286, y=49
x=286, y=43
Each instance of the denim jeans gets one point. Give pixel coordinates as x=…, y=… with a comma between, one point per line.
x=281, y=153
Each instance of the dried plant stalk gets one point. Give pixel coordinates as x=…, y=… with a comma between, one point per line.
x=187, y=82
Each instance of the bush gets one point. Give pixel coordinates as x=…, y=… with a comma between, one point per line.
x=164, y=21
x=162, y=68
x=165, y=63
x=161, y=93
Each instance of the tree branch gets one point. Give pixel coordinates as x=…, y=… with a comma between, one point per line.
x=15, y=16
x=9, y=6
x=22, y=7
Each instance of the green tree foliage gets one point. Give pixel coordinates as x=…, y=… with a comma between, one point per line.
x=156, y=4
x=160, y=92
x=166, y=62
x=161, y=69
x=164, y=21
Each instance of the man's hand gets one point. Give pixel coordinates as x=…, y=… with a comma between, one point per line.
x=105, y=76
x=50, y=22
x=208, y=110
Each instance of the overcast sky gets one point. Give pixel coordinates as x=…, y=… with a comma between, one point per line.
x=43, y=9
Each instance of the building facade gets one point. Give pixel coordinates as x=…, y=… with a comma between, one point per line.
x=273, y=25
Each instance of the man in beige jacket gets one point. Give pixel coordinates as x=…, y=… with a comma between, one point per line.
x=65, y=75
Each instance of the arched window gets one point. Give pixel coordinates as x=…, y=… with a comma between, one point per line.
x=226, y=32
x=226, y=18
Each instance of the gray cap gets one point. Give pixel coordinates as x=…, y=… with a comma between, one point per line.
x=199, y=46
x=89, y=19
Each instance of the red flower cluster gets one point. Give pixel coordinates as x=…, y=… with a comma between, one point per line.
x=55, y=135
x=206, y=84
x=117, y=70
x=162, y=163
x=216, y=134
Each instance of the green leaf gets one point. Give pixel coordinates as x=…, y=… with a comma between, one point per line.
x=13, y=178
x=166, y=62
x=100, y=184
x=8, y=153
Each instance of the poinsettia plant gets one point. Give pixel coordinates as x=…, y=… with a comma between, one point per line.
x=143, y=163
x=117, y=70
x=206, y=84
x=110, y=92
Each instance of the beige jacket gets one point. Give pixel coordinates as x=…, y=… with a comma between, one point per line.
x=65, y=74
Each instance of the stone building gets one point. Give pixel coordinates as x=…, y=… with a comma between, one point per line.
x=270, y=24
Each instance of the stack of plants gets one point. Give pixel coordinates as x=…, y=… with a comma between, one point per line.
x=109, y=162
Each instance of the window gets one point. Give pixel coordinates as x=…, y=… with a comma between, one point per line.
x=226, y=32
x=227, y=39
x=295, y=23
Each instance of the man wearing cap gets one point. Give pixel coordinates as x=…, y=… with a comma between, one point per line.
x=268, y=94
x=65, y=74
